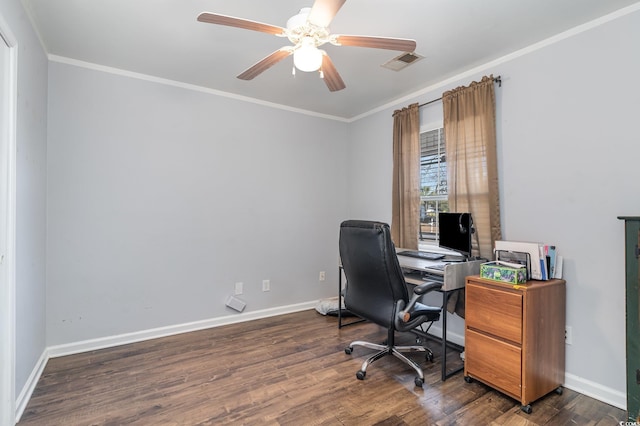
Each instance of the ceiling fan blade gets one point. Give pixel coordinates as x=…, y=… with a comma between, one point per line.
x=323, y=12
x=330, y=74
x=403, y=44
x=266, y=63
x=230, y=21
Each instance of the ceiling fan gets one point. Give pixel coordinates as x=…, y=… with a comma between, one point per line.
x=308, y=30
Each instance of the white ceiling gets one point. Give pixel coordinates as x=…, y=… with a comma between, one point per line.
x=162, y=38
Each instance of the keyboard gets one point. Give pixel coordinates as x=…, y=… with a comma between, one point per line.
x=427, y=255
x=437, y=266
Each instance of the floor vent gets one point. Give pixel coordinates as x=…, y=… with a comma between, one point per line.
x=401, y=62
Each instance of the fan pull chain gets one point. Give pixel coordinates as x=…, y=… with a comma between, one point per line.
x=293, y=71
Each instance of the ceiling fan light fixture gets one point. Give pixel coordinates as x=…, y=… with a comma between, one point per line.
x=307, y=57
x=307, y=31
x=297, y=21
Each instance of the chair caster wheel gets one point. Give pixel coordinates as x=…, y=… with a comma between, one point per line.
x=418, y=381
x=360, y=374
x=559, y=390
x=526, y=408
x=348, y=350
x=429, y=357
x=468, y=379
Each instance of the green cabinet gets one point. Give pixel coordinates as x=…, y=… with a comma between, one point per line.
x=632, y=268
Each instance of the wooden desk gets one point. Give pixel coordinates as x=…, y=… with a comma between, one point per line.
x=417, y=272
x=514, y=337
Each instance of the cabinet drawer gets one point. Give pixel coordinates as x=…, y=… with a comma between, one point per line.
x=494, y=311
x=494, y=362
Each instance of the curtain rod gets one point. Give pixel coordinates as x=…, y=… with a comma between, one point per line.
x=497, y=79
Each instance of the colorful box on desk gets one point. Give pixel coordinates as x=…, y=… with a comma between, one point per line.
x=502, y=273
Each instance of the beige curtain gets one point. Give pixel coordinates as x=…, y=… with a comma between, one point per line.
x=405, y=197
x=470, y=137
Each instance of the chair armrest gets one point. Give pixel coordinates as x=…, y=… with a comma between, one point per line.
x=404, y=311
x=427, y=287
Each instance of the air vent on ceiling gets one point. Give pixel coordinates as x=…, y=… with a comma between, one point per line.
x=401, y=62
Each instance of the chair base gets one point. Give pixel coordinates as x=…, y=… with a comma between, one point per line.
x=397, y=351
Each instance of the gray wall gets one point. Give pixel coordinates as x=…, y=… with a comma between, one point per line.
x=568, y=166
x=31, y=135
x=161, y=198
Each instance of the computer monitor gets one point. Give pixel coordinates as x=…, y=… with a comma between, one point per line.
x=455, y=232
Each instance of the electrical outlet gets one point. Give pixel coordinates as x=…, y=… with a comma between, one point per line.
x=238, y=289
x=568, y=335
x=321, y=276
x=266, y=285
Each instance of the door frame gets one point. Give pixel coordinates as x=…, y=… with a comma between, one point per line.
x=8, y=228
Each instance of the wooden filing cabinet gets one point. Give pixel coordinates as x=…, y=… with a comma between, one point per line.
x=514, y=337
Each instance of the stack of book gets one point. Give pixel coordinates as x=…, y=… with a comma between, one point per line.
x=542, y=260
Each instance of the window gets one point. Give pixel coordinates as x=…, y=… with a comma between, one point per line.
x=433, y=184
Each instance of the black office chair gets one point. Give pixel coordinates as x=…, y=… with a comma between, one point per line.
x=376, y=290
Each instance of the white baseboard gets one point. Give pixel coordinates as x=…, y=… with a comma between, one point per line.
x=154, y=333
x=30, y=385
x=596, y=390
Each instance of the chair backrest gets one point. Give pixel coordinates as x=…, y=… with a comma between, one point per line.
x=374, y=278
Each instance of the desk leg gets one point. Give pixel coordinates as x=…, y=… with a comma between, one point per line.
x=445, y=302
x=339, y=297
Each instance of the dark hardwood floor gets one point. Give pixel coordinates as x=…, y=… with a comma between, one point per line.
x=284, y=370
